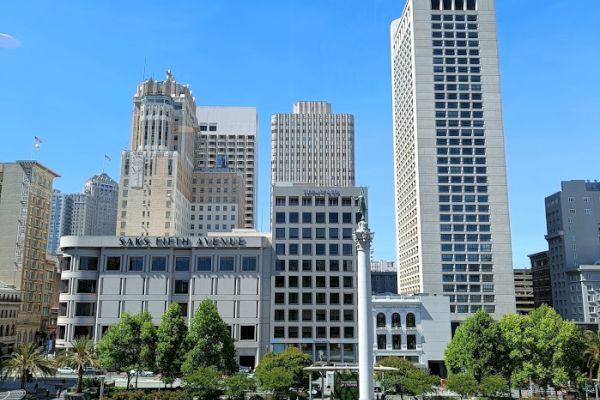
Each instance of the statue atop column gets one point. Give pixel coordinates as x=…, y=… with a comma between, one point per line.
x=362, y=205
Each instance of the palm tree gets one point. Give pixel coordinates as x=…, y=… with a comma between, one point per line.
x=592, y=352
x=80, y=356
x=28, y=359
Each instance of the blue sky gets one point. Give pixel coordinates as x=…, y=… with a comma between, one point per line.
x=71, y=82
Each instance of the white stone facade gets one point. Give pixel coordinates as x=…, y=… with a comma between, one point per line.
x=452, y=225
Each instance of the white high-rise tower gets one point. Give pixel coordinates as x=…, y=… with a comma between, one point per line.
x=452, y=225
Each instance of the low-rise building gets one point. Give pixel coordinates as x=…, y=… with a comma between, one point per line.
x=10, y=302
x=102, y=277
x=416, y=328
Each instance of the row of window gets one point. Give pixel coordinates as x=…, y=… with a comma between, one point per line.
x=320, y=315
x=452, y=35
x=318, y=217
x=161, y=264
x=396, y=320
x=452, y=43
x=396, y=343
x=318, y=265
x=456, y=5
x=468, y=278
x=320, y=332
x=486, y=287
x=293, y=281
x=464, y=309
x=310, y=233
x=469, y=247
x=456, y=132
x=462, y=170
x=319, y=249
x=446, y=237
x=318, y=298
x=308, y=201
x=463, y=267
x=473, y=298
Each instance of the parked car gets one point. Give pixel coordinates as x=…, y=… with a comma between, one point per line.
x=66, y=371
x=245, y=370
x=140, y=372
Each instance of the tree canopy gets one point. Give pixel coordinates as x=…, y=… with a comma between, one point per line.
x=279, y=371
x=171, y=343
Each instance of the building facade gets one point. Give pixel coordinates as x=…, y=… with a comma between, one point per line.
x=452, y=225
x=524, y=290
x=542, y=282
x=229, y=135
x=10, y=304
x=25, y=205
x=313, y=285
x=60, y=219
x=103, y=277
x=572, y=219
x=416, y=328
x=156, y=172
x=312, y=146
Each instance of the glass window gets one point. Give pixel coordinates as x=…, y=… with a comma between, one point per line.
x=333, y=218
x=249, y=263
x=136, y=263
x=182, y=263
x=293, y=216
x=86, y=286
x=113, y=263
x=204, y=264
x=159, y=263
x=280, y=217
x=306, y=217
x=88, y=263
x=182, y=286
x=247, y=332
x=226, y=263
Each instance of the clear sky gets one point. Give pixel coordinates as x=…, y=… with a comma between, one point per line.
x=73, y=68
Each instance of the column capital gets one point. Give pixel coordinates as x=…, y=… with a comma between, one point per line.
x=363, y=236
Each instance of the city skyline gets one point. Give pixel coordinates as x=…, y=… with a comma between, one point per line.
x=554, y=86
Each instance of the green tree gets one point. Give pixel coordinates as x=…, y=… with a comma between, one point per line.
x=147, y=341
x=492, y=385
x=81, y=355
x=237, y=385
x=170, y=343
x=210, y=343
x=407, y=379
x=278, y=371
x=462, y=384
x=119, y=349
x=204, y=383
x=513, y=327
x=591, y=353
x=552, y=348
x=28, y=359
x=477, y=347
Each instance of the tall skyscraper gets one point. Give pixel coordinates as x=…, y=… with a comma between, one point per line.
x=572, y=219
x=156, y=173
x=228, y=138
x=312, y=146
x=452, y=225
x=93, y=212
x=25, y=202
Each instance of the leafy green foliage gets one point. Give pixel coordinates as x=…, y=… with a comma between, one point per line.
x=170, y=343
x=81, y=355
x=237, y=385
x=147, y=341
x=279, y=371
x=205, y=383
x=492, y=385
x=210, y=341
x=591, y=353
x=119, y=349
x=462, y=384
x=408, y=379
x=27, y=359
x=478, y=347
x=122, y=394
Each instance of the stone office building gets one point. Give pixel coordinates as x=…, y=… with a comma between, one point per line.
x=103, y=277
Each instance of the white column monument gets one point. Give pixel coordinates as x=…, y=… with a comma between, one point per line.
x=362, y=238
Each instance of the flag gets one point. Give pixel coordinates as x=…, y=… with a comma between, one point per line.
x=109, y=158
x=37, y=142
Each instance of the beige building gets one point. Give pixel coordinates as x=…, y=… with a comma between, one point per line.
x=219, y=201
x=25, y=201
x=524, y=290
x=156, y=173
x=10, y=302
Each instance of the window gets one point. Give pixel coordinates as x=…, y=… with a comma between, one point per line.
x=333, y=218
x=82, y=331
x=182, y=286
x=226, y=263
x=136, y=263
x=204, y=264
x=248, y=263
x=381, y=320
x=410, y=320
x=64, y=286
x=159, y=263
x=182, y=263
x=279, y=332
x=247, y=332
x=320, y=218
x=411, y=342
x=396, y=320
x=293, y=218
x=279, y=233
x=88, y=263
x=396, y=342
x=184, y=309
x=85, y=309
x=113, y=263
x=279, y=315
x=306, y=217
x=381, y=342
x=280, y=217
x=347, y=249
x=86, y=286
